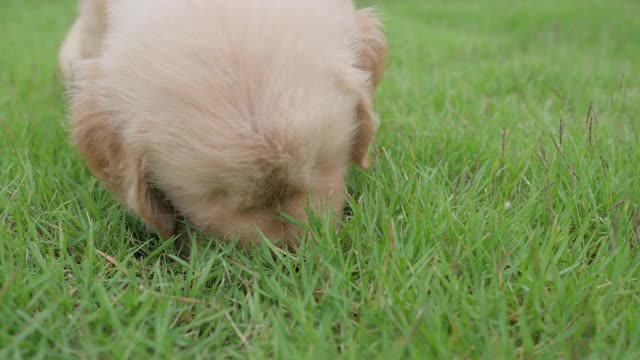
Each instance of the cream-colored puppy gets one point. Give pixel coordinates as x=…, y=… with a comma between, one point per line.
x=226, y=113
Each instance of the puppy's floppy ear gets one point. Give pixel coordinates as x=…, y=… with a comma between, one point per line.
x=99, y=141
x=371, y=47
x=365, y=132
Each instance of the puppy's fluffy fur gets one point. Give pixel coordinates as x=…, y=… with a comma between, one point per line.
x=227, y=113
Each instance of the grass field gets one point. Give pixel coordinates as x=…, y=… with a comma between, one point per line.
x=502, y=218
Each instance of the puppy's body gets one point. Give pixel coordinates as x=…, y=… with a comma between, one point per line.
x=226, y=112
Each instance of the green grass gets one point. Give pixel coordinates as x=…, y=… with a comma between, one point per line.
x=502, y=218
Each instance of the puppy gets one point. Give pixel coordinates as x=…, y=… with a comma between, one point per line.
x=226, y=113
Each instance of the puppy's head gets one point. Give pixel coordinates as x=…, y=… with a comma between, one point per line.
x=236, y=171
x=226, y=140
x=226, y=179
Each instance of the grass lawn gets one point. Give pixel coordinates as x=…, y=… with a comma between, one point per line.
x=502, y=218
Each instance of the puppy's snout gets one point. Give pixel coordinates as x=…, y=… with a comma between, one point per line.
x=249, y=228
